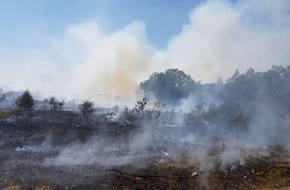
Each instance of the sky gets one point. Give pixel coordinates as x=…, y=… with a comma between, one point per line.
x=25, y=22
x=82, y=48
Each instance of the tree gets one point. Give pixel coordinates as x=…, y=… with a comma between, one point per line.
x=244, y=92
x=240, y=123
x=55, y=104
x=87, y=108
x=170, y=86
x=2, y=98
x=25, y=102
x=140, y=105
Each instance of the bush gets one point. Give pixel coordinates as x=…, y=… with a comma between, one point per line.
x=87, y=108
x=25, y=102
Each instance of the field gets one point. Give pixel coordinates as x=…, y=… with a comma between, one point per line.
x=115, y=155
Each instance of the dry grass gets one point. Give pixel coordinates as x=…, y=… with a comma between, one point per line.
x=13, y=187
x=43, y=187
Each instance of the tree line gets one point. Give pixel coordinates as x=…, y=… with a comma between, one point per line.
x=235, y=102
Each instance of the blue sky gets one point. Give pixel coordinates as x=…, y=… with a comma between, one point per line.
x=110, y=46
x=27, y=22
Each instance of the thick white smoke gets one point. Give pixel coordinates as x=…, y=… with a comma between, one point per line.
x=221, y=36
x=224, y=36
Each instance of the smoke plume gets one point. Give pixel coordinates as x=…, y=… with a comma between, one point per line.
x=220, y=37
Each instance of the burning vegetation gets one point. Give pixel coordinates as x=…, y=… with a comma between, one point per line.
x=179, y=134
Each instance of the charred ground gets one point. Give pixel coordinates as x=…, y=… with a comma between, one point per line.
x=25, y=150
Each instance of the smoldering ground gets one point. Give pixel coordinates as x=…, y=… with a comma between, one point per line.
x=129, y=139
x=164, y=139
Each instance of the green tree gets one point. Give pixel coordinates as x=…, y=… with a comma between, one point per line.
x=170, y=86
x=25, y=102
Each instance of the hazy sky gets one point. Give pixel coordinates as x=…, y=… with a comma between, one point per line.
x=84, y=47
x=27, y=22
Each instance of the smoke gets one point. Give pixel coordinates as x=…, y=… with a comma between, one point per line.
x=114, y=63
x=106, y=150
x=223, y=36
x=84, y=61
x=46, y=145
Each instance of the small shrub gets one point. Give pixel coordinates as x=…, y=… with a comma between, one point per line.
x=277, y=149
x=140, y=105
x=4, y=115
x=87, y=109
x=55, y=104
x=128, y=116
x=240, y=123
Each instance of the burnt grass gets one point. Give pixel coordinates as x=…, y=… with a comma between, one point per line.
x=26, y=169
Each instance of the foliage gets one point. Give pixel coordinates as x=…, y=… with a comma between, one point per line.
x=246, y=92
x=240, y=122
x=128, y=116
x=25, y=102
x=170, y=86
x=140, y=105
x=87, y=108
x=4, y=115
x=2, y=98
x=157, y=109
x=143, y=112
x=212, y=114
x=152, y=114
x=195, y=122
x=277, y=149
x=55, y=104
